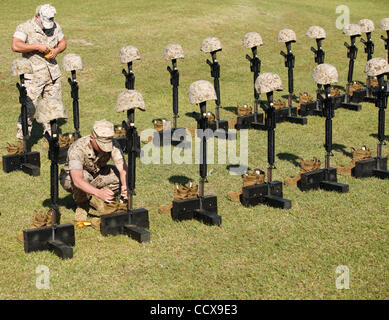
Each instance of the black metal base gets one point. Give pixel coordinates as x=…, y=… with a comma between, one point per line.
x=62, y=154
x=132, y=223
x=359, y=95
x=222, y=132
x=123, y=145
x=322, y=179
x=28, y=162
x=351, y=106
x=244, y=122
x=171, y=137
x=282, y=115
x=369, y=168
x=40, y=239
x=269, y=193
x=338, y=100
x=190, y=209
x=313, y=108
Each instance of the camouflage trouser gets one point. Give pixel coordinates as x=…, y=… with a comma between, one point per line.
x=106, y=178
x=40, y=85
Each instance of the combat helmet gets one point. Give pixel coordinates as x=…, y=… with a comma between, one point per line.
x=130, y=99
x=201, y=91
x=376, y=66
x=49, y=109
x=173, y=51
x=316, y=32
x=210, y=45
x=252, y=39
x=286, y=35
x=128, y=54
x=71, y=62
x=384, y=24
x=352, y=30
x=366, y=25
x=267, y=82
x=325, y=74
x=21, y=66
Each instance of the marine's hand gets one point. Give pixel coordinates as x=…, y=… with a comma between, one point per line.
x=106, y=195
x=54, y=53
x=42, y=48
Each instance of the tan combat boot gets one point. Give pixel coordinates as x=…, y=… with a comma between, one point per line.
x=358, y=155
x=306, y=166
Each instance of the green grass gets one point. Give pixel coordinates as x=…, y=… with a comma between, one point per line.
x=258, y=253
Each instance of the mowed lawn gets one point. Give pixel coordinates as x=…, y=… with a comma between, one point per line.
x=257, y=253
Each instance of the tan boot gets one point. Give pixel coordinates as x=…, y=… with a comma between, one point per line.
x=244, y=110
x=165, y=209
x=234, y=196
x=95, y=222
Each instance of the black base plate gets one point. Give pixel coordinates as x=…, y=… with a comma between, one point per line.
x=282, y=115
x=244, y=122
x=269, y=193
x=62, y=154
x=122, y=141
x=369, y=168
x=359, y=95
x=175, y=137
x=40, y=239
x=190, y=209
x=119, y=222
x=28, y=162
x=313, y=108
x=321, y=179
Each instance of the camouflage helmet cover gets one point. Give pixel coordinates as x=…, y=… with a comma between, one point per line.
x=21, y=66
x=352, y=30
x=71, y=62
x=129, y=99
x=267, y=82
x=128, y=54
x=50, y=109
x=173, y=51
x=200, y=91
x=286, y=35
x=384, y=24
x=366, y=25
x=211, y=44
x=316, y=32
x=325, y=74
x=252, y=39
x=376, y=66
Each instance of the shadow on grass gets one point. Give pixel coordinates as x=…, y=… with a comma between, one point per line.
x=179, y=179
x=294, y=97
x=37, y=131
x=195, y=115
x=66, y=202
x=234, y=110
x=292, y=158
x=374, y=135
x=237, y=169
x=342, y=148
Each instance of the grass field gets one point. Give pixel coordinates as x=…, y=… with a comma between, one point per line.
x=257, y=253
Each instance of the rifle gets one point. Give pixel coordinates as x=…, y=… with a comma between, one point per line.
x=255, y=67
x=76, y=113
x=215, y=74
x=174, y=81
x=53, y=157
x=23, y=102
x=130, y=77
x=289, y=63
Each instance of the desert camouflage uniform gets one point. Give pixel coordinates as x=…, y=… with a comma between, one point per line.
x=45, y=80
x=81, y=156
